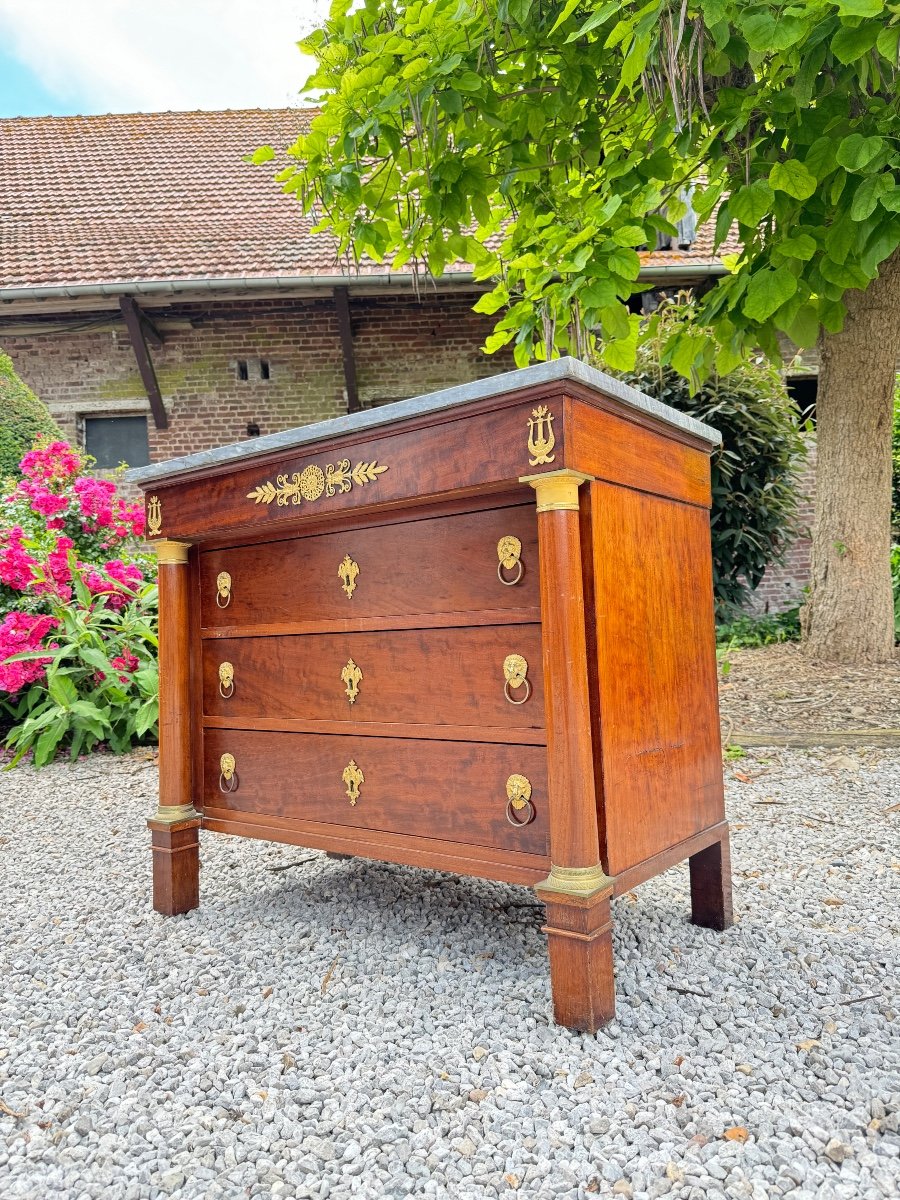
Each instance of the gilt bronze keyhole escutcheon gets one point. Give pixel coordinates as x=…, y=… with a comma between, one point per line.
x=223, y=589
x=519, y=809
x=347, y=573
x=351, y=676
x=228, y=779
x=353, y=779
x=509, y=552
x=226, y=680
x=515, y=670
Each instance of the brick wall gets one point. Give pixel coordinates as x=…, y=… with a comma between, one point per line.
x=403, y=347
x=782, y=585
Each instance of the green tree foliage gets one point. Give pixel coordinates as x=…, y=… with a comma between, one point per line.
x=754, y=505
x=546, y=142
x=23, y=418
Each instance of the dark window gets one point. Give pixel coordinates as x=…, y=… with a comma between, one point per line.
x=263, y=369
x=252, y=429
x=114, y=440
x=243, y=373
x=802, y=389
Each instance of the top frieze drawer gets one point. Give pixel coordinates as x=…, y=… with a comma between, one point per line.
x=461, y=563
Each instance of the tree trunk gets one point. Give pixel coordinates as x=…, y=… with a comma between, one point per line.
x=850, y=614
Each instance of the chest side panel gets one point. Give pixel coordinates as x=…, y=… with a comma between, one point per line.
x=658, y=696
x=617, y=450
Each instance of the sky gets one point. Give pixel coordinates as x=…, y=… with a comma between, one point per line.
x=61, y=57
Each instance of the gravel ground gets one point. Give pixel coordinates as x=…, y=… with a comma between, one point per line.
x=350, y=1029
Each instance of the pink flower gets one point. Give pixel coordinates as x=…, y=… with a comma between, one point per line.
x=95, y=497
x=125, y=662
x=22, y=633
x=121, y=579
x=17, y=566
x=53, y=462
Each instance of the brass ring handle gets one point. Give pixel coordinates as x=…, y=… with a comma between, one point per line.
x=228, y=778
x=223, y=589
x=508, y=684
x=529, y=811
x=509, y=553
x=518, y=800
x=228, y=783
x=520, y=571
x=226, y=680
x=515, y=670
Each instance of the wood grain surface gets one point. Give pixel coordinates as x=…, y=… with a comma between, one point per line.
x=415, y=676
x=658, y=691
x=446, y=564
x=454, y=791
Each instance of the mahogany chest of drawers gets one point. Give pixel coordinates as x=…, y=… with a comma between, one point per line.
x=471, y=631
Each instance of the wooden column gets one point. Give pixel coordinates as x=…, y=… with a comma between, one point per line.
x=577, y=891
x=175, y=825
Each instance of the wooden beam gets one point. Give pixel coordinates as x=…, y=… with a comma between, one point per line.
x=342, y=307
x=136, y=332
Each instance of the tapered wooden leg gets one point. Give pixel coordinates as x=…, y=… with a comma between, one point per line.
x=579, y=941
x=176, y=865
x=711, y=886
x=174, y=826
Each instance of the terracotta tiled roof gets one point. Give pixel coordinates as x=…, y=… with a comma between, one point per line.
x=163, y=196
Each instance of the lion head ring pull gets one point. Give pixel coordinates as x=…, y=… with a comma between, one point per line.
x=519, y=809
x=226, y=680
x=223, y=589
x=509, y=552
x=515, y=669
x=228, y=780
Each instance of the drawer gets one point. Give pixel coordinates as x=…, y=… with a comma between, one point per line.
x=420, y=676
x=441, y=564
x=452, y=791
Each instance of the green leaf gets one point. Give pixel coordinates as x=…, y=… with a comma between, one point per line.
x=62, y=689
x=841, y=238
x=767, y=291
x=46, y=745
x=804, y=328
x=848, y=44
x=888, y=42
x=751, y=203
x=801, y=246
x=597, y=294
x=856, y=152
x=496, y=341
x=792, y=177
x=597, y=18
x=868, y=194
x=615, y=321
x=860, y=8
x=492, y=302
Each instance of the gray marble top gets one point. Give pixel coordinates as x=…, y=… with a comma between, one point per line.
x=374, y=418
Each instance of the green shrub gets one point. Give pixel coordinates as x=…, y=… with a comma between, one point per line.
x=24, y=419
x=744, y=632
x=77, y=611
x=754, y=497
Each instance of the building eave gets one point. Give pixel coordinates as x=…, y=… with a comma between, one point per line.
x=65, y=297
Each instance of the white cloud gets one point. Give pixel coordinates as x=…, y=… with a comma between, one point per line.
x=127, y=56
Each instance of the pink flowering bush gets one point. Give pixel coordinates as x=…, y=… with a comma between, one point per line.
x=77, y=610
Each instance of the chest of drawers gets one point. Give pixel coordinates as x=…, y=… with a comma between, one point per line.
x=472, y=631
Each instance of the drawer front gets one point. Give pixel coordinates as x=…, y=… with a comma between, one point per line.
x=451, y=791
x=469, y=676
x=434, y=565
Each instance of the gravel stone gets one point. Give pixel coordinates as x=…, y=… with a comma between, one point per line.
x=362, y=1031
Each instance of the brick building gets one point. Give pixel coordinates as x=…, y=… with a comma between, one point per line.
x=164, y=296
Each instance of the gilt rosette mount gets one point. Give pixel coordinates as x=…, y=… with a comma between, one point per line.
x=313, y=482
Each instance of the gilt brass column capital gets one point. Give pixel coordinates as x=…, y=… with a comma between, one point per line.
x=575, y=881
x=556, y=489
x=168, y=552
